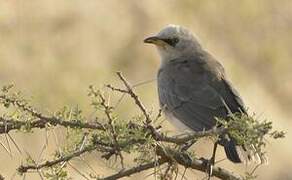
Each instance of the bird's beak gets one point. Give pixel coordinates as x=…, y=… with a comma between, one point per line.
x=153, y=40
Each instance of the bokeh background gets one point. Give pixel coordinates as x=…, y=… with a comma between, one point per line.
x=53, y=49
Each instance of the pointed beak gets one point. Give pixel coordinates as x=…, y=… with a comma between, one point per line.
x=152, y=40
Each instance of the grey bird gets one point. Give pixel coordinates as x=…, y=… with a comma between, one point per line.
x=193, y=88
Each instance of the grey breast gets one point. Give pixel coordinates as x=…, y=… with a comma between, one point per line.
x=193, y=92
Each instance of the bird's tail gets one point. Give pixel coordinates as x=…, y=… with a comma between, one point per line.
x=243, y=154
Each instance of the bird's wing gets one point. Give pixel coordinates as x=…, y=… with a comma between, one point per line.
x=232, y=97
x=194, y=95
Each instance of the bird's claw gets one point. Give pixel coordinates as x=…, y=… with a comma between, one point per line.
x=209, y=164
x=209, y=168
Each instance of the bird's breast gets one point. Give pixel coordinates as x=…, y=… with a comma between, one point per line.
x=176, y=122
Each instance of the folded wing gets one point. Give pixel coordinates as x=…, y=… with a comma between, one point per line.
x=191, y=93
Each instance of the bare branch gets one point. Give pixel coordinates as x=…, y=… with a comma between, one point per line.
x=198, y=164
x=135, y=97
x=134, y=170
x=116, y=89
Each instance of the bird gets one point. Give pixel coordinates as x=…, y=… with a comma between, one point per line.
x=193, y=88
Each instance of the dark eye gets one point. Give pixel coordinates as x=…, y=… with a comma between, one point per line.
x=172, y=41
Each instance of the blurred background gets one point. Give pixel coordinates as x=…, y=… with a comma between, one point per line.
x=53, y=49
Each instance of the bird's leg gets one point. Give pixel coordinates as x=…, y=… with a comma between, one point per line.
x=211, y=162
x=188, y=144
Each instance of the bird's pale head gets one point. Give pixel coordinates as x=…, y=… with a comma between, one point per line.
x=173, y=42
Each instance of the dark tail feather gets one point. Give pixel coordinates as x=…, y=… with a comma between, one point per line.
x=242, y=154
x=232, y=152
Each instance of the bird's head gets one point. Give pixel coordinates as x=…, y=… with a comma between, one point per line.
x=173, y=42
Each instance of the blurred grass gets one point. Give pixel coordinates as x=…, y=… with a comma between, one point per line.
x=53, y=49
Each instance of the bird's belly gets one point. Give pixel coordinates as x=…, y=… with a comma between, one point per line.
x=176, y=122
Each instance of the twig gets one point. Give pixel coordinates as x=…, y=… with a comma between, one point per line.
x=116, y=89
x=134, y=170
x=25, y=168
x=159, y=114
x=168, y=168
x=14, y=143
x=6, y=149
x=107, y=111
x=135, y=97
x=21, y=105
x=144, y=82
x=42, y=119
x=7, y=125
x=181, y=139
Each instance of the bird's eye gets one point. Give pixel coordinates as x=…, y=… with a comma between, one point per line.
x=172, y=41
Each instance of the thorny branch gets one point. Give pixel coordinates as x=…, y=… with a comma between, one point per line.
x=134, y=170
x=25, y=168
x=107, y=139
x=135, y=97
x=107, y=111
x=7, y=125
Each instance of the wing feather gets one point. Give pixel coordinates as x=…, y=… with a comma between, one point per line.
x=193, y=95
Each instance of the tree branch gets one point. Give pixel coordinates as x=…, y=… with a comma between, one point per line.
x=107, y=111
x=198, y=164
x=114, y=138
x=135, y=97
x=169, y=155
x=183, y=138
x=25, y=168
x=7, y=125
x=134, y=170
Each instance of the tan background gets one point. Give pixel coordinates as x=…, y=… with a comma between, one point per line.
x=53, y=49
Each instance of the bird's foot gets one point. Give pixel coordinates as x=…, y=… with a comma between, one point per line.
x=209, y=164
